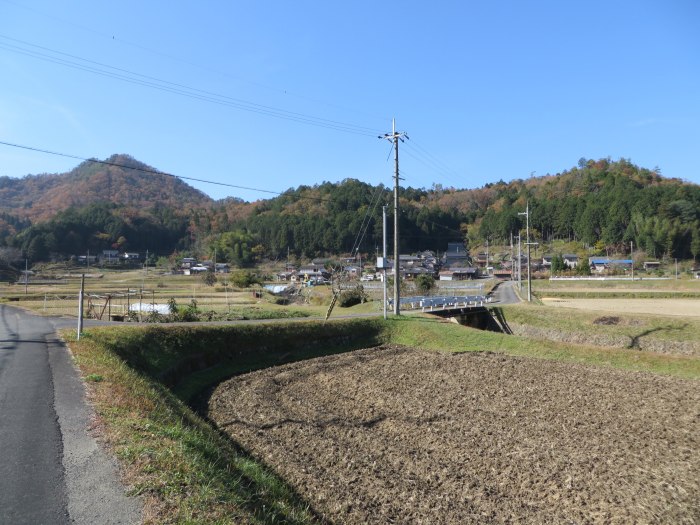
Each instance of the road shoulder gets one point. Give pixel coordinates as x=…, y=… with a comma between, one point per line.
x=95, y=494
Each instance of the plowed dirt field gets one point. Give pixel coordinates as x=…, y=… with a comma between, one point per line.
x=397, y=435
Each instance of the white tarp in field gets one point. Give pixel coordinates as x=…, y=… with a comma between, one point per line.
x=276, y=288
x=163, y=309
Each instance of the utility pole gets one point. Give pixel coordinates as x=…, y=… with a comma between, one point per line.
x=81, y=294
x=395, y=137
x=520, y=267
x=384, y=257
x=527, y=243
x=487, y=256
x=632, y=257
x=512, y=262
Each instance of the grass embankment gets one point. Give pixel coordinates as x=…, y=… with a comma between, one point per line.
x=186, y=471
x=141, y=377
x=632, y=326
x=439, y=335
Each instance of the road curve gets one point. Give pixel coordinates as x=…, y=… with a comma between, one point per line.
x=51, y=470
x=504, y=293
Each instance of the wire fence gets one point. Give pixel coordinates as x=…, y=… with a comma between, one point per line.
x=117, y=305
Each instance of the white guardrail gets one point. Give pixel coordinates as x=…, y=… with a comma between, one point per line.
x=442, y=302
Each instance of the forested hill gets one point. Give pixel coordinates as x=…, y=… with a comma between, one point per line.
x=120, y=180
x=605, y=202
x=602, y=202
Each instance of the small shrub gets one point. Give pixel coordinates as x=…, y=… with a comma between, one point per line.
x=352, y=297
x=172, y=305
x=244, y=278
x=425, y=283
x=209, y=278
x=154, y=317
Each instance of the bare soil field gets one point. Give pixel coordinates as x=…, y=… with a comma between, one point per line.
x=398, y=435
x=672, y=307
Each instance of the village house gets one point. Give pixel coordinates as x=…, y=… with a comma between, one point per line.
x=600, y=265
x=458, y=274
x=87, y=259
x=354, y=272
x=481, y=260
x=285, y=275
x=196, y=270
x=570, y=260
x=412, y=273
x=188, y=262
x=410, y=261
x=313, y=272
x=222, y=268
x=311, y=268
x=456, y=255
x=502, y=273
x=109, y=256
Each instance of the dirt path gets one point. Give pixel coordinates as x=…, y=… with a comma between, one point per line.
x=395, y=435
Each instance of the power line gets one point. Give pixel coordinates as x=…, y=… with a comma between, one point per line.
x=358, y=240
x=98, y=68
x=362, y=232
x=437, y=162
x=154, y=171
x=169, y=56
x=432, y=165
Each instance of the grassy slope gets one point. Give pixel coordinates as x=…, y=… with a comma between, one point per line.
x=185, y=471
x=581, y=321
x=439, y=335
x=189, y=473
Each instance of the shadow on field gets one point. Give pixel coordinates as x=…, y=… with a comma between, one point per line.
x=490, y=319
x=634, y=339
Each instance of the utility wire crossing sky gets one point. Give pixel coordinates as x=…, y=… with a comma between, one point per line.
x=248, y=100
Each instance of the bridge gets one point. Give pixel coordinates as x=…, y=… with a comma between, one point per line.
x=503, y=293
x=442, y=302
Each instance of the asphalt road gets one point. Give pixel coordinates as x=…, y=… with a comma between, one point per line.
x=52, y=471
x=505, y=293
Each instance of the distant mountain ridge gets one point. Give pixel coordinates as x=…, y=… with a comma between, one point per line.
x=120, y=179
x=124, y=203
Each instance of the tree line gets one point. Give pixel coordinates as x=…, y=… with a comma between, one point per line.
x=603, y=202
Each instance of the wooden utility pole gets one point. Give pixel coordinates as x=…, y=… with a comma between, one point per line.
x=384, y=257
x=632, y=257
x=395, y=137
x=528, y=244
x=81, y=294
x=520, y=267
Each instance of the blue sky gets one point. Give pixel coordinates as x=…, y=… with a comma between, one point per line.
x=484, y=90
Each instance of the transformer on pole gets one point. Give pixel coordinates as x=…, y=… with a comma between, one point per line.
x=395, y=137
